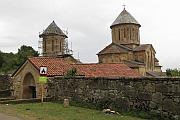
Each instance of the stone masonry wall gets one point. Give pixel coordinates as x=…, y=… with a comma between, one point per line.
x=158, y=95
x=5, y=86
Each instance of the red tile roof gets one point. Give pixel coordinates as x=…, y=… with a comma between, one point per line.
x=106, y=70
x=56, y=66
x=59, y=67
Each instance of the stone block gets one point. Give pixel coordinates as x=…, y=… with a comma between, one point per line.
x=176, y=99
x=161, y=88
x=122, y=104
x=130, y=93
x=150, y=87
x=144, y=96
x=139, y=87
x=177, y=109
x=176, y=94
x=168, y=105
x=153, y=105
x=112, y=85
x=157, y=97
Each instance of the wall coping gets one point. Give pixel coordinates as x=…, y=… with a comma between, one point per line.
x=125, y=78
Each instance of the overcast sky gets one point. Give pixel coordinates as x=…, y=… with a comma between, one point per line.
x=88, y=23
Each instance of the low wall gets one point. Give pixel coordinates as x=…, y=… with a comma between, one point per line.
x=5, y=86
x=159, y=95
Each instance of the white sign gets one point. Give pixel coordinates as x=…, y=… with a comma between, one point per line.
x=43, y=71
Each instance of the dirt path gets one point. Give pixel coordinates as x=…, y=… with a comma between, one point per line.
x=6, y=117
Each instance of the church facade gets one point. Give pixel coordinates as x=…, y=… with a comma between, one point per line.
x=124, y=57
x=126, y=48
x=58, y=61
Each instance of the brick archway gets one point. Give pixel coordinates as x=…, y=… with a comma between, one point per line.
x=29, y=87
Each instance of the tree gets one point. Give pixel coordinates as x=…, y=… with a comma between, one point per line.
x=173, y=72
x=1, y=59
x=71, y=73
x=9, y=62
x=24, y=52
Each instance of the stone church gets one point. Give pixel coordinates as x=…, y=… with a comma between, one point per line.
x=124, y=57
x=58, y=60
x=126, y=48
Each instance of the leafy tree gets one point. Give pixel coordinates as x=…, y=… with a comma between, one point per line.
x=173, y=72
x=71, y=73
x=9, y=62
x=1, y=59
x=24, y=52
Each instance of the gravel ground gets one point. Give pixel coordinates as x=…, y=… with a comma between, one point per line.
x=6, y=117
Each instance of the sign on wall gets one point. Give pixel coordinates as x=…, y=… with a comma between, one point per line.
x=43, y=70
x=43, y=74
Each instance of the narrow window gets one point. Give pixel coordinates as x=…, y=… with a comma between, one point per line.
x=119, y=34
x=52, y=45
x=127, y=32
x=60, y=46
x=130, y=34
x=133, y=32
x=124, y=33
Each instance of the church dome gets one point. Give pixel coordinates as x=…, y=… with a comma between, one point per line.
x=53, y=29
x=125, y=18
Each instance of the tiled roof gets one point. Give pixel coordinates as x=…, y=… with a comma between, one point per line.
x=155, y=74
x=142, y=47
x=53, y=29
x=106, y=70
x=115, y=48
x=58, y=67
x=134, y=64
x=124, y=18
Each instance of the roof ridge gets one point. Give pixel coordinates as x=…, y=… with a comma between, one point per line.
x=114, y=44
x=98, y=63
x=123, y=46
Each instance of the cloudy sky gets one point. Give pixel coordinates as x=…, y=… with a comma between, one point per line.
x=88, y=24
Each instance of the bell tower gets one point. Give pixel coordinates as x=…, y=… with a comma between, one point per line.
x=53, y=43
x=125, y=30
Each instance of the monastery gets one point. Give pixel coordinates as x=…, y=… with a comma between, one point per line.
x=126, y=48
x=124, y=57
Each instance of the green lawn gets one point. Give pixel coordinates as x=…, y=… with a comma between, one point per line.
x=55, y=111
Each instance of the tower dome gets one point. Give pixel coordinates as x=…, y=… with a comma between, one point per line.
x=125, y=18
x=53, y=42
x=125, y=30
x=53, y=29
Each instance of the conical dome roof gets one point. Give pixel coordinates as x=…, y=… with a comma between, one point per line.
x=125, y=18
x=53, y=29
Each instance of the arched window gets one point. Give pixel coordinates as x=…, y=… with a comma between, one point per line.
x=124, y=32
x=133, y=32
x=60, y=46
x=119, y=34
x=130, y=34
x=52, y=45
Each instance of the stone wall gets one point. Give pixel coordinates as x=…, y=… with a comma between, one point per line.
x=5, y=86
x=158, y=95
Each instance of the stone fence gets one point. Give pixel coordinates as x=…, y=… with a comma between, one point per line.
x=5, y=86
x=157, y=95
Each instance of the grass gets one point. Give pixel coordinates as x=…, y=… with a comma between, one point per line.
x=56, y=111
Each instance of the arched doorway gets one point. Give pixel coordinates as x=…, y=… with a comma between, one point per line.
x=29, y=87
